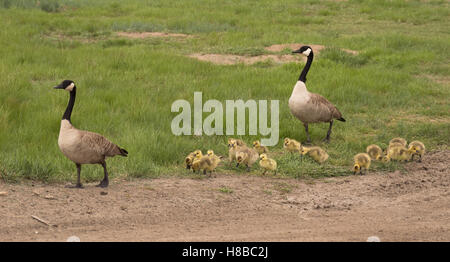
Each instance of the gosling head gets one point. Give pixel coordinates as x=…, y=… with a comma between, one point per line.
x=210, y=153
x=304, y=150
x=305, y=50
x=286, y=141
x=263, y=156
x=356, y=168
x=256, y=144
x=198, y=153
x=385, y=159
x=67, y=85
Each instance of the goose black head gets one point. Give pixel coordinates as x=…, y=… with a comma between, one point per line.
x=67, y=85
x=306, y=50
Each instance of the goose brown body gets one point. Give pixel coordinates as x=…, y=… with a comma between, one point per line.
x=310, y=107
x=84, y=147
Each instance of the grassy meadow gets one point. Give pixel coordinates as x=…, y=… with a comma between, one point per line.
x=397, y=84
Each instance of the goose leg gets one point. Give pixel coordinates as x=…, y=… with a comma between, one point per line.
x=308, y=139
x=327, y=139
x=105, y=181
x=78, y=185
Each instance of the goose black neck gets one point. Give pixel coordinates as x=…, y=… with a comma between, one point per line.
x=306, y=68
x=69, y=108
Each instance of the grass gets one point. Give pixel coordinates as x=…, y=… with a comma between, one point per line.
x=396, y=86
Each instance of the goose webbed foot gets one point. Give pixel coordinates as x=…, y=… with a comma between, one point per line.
x=326, y=139
x=103, y=184
x=78, y=185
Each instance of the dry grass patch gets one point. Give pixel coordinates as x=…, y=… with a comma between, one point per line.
x=316, y=48
x=224, y=59
x=142, y=35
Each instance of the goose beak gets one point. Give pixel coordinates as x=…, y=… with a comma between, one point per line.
x=59, y=87
x=296, y=51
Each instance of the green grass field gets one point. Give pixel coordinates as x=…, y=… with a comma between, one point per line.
x=398, y=84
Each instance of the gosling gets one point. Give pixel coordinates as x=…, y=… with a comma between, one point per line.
x=316, y=153
x=259, y=148
x=233, y=146
x=214, y=159
x=201, y=162
x=188, y=160
x=398, y=153
x=375, y=152
x=267, y=164
x=399, y=140
x=417, y=148
x=247, y=156
x=292, y=145
x=362, y=161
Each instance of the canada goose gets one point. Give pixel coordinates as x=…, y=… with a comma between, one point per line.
x=362, y=161
x=310, y=107
x=316, y=153
x=418, y=148
x=247, y=156
x=188, y=160
x=259, y=148
x=292, y=145
x=267, y=164
x=399, y=153
x=84, y=147
x=375, y=152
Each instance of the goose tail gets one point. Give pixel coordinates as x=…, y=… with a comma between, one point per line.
x=123, y=152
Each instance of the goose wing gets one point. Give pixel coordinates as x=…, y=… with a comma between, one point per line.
x=99, y=144
x=326, y=109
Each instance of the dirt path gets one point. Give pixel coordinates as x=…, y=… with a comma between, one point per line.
x=395, y=207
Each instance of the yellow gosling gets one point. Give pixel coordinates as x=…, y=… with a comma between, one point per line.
x=399, y=140
x=417, y=148
x=316, y=153
x=375, y=152
x=399, y=153
x=292, y=145
x=259, y=148
x=362, y=162
x=247, y=156
x=267, y=164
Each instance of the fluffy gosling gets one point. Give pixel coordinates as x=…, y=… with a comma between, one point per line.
x=398, y=153
x=247, y=156
x=202, y=162
x=292, y=145
x=418, y=149
x=188, y=160
x=214, y=159
x=259, y=148
x=375, y=152
x=316, y=153
x=362, y=161
x=399, y=140
x=267, y=164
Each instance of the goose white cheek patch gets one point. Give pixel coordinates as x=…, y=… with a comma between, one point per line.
x=307, y=52
x=70, y=87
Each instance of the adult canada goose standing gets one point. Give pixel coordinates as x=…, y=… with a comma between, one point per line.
x=84, y=147
x=310, y=107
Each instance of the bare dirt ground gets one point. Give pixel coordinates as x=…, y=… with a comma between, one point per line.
x=228, y=59
x=410, y=206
